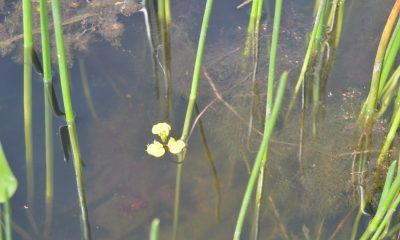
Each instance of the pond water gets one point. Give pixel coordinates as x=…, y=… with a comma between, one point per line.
x=126, y=188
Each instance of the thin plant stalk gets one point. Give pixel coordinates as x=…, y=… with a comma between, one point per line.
x=310, y=51
x=272, y=56
x=1, y=225
x=189, y=110
x=7, y=219
x=217, y=185
x=254, y=37
x=382, y=208
x=355, y=225
x=28, y=48
x=164, y=31
x=47, y=83
x=382, y=229
x=154, y=231
x=270, y=92
x=154, y=52
x=339, y=22
x=260, y=155
x=86, y=88
x=366, y=117
x=251, y=27
x=390, y=57
x=388, y=93
x=389, y=139
x=70, y=118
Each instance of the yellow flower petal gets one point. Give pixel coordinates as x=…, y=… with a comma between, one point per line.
x=174, y=146
x=155, y=149
x=162, y=130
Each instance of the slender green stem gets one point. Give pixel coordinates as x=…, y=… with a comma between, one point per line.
x=386, y=220
x=390, y=57
x=86, y=88
x=366, y=117
x=251, y=27
x=7, y=218
x=382, y=209
x=355, y=225
x=272, y=55
x=262, y=149
x=270, y=92
x=27, y=28
x=63, y=69
x=197, y=69
x=388, y=92
x=154, y=232
x=388, y=181
x=188, y=116
x=389, y=139
x=1, y=223
x=47, y=80
x=177, y=197
x=315, y=37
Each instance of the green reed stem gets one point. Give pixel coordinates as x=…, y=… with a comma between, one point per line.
x=254, y=43
x=339, y=22
x=47, y=80
x=260, y=155
x=270, y=92
x=164, y=31
x=7, y=218
x=382, y=208
x=197, y=69
x=386, y=220
x=189, y=110
x=168, y=15
x=314, y=39
x=28, y=43
x=86, y=88
x=355, y=225
x=389, y=139
x=272, y=55
x=388, y=92
x=154, y=231
x=366, y=117
x=70, y=119
x=1, y=224
x=388, y=182
x=251, y=27
x=390, y=57
x=217, y=185
x=177, y=196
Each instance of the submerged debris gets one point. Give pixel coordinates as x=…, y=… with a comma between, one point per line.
x=83, y=23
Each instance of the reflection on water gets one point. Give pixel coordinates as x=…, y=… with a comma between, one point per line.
x=126, y=188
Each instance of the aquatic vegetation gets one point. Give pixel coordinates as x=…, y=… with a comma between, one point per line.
x=157, y=149
x=8, y=186
x=305, y=180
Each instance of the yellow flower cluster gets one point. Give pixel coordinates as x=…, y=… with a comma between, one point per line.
x=157, y=149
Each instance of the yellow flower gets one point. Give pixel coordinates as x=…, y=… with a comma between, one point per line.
x=155, y=149
x=174, y=146
x=162, y=130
